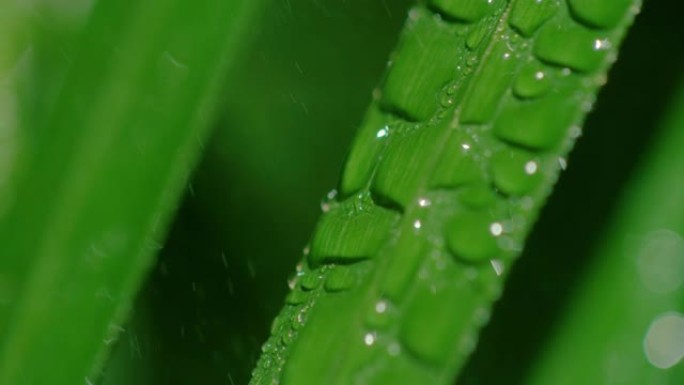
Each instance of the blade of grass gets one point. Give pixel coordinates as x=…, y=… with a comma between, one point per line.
x=572, y=224
x=456, y=156
x=101, y=178
x=215, y=290
x=634, y=284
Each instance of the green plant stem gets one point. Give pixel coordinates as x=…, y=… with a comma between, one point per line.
x=100, y=177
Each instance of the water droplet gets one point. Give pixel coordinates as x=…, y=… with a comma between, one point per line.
x=468, y=344
x=528, y=15
x=661, y=261
x=498, y=266
x=601, y=44
x=394, y=349
x=470, y=238
x=298, y=319
x=532, y=81
x=310, y=281
x=468, y=11
x=414, y=14
x=288, y=338
x=339, y=279
x=417, y=224
x=447, y=101
x=602, y=14
x=267, y=347
x=465, y=146
x=383, y=132
x=381, y=307
x=562, y=162
x=292, y=281
x=482, y=316
x=477, y=196
x=424, y=202
x=296, y=297
x=325, y=205
x=476, y=36
x=527, y=203
x=496, y=229
x=573, y=46
x=471, y=61
x=664, y=340
x=575, y=132
x=369, y=339
x=515, y=171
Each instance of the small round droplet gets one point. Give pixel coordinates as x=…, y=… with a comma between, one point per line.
x=477, y=196
x=379, y=317
x=471, y=61
x=515, y=172
x=381, y=307
x=394, y=349
x=447, y=101
x=328, y=201
x=664, y=340
x=369, y=339
x=417, y=224
x=660, y=261
x=310, y=281
x=292, y=281
x=469, y=237
x=496, y=229
x=601, y=44
x=532, y=81
x=575, y=132
x=288, y=338
x=424, y=202
x=296, y=297
x=298, y=319
x=482, y=316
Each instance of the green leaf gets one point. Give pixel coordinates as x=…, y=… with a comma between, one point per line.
x=102, y=167
x=463, y=145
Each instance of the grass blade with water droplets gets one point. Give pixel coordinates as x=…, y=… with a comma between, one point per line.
x=480, y=105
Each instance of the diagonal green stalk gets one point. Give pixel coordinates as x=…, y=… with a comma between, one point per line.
x=458, y=152
x=99, y=177
x=624, y=325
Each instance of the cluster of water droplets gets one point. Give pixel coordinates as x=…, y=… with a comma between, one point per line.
x=504, y=115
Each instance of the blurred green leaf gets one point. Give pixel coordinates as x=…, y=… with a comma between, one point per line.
x=101, y=171
x=624, y=323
